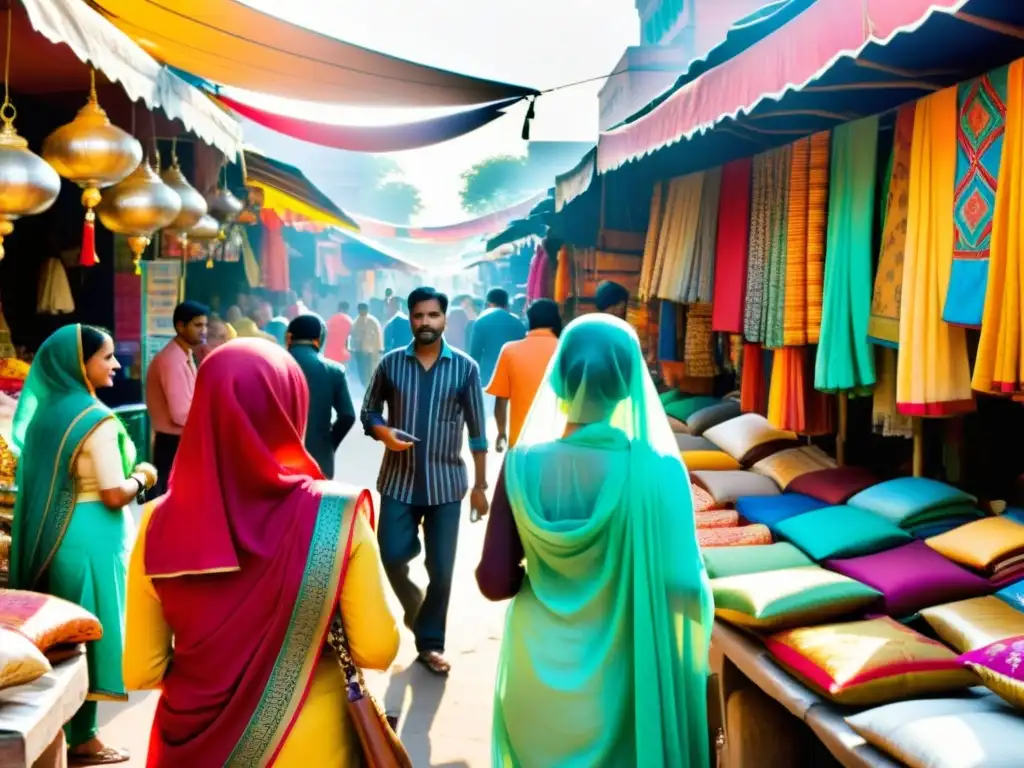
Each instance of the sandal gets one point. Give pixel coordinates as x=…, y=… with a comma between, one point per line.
x=106, y=756
x=434, y=663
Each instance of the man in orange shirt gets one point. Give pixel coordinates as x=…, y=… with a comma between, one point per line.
x=520, y=370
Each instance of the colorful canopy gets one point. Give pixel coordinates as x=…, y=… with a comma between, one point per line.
x=359, y=252
x=228, y=43
x=295, y=198
x=832, y=62
x=94, y=40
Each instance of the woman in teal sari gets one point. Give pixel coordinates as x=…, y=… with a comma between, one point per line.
x=607, y=636
x=72, y=531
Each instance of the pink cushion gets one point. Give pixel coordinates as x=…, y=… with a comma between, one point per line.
x=834, y=486
x=912, y=577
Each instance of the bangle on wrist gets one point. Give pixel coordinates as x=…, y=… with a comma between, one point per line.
x=139, y=482
x=480, y=487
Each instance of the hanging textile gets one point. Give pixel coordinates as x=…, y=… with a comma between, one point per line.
x=773, y=307
x=1000, y=351
x=699, y=273
x=884, y=325
x=732, y=242
x=793, y=402
x=766, y=250
x=651, y=242
x=54, y=295
x=668, y=340
x=274, y=253
x=699, y=350
x=805, y=240
x=981, y=121
x=563, y=276
x=933, y=374
x=845, y=361
x=678, y=235
x=887, y=420
x=538, y=278
x=753, y=380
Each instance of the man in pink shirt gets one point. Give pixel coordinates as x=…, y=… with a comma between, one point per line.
x=170, y=383
x=338, y=329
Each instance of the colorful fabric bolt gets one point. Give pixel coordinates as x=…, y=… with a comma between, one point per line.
x=731, y=247
x=933, y=373
x=699, y=350
x=645, y=289
x=793, y=403
x=845, y=361
x=758, y=246
x=698, y=274
x=981, y=112
x=773, y=306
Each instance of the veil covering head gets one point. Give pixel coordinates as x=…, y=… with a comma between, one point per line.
x=605, y=515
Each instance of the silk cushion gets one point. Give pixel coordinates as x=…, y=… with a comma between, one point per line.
x=750, y=438
x=727, y=486
x=771, y=510
x=684, y=408
x=20, y=661
x=907, y=501
x=989, y=545
x=693, y=443
x=840, y=532
x=696, y=461
x=1000, y=666
x=737, y=561
x=46, y=620
x=717, y=518
x=786, y=466
x=788, y=597
x=744, y=536
x=834, y=486
x=1013, y=595
x=965, y=732
x=974, y=623
x=678, y=427
x=868, y=662
x=912, y=577
x=712, y=415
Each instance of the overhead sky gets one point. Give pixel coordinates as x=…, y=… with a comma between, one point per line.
x=539, y=43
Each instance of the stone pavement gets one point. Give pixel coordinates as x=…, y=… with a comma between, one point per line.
x=444, y=723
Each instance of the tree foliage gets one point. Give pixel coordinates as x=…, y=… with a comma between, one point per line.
x=494, y=183
x=393, y=200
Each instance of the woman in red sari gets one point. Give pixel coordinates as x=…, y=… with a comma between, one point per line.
x=237, y=573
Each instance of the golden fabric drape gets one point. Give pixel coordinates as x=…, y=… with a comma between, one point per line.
x=933, y=374
x=651, y=243
x=678, y=235
x=793, y=402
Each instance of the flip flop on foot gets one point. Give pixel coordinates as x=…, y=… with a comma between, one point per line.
x=434, y=663
x=104, y=756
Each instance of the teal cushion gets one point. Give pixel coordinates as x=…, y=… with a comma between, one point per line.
x=736, y=561
x=671, y=396
x=685, y=408
x=841, y=532
x=910, y=501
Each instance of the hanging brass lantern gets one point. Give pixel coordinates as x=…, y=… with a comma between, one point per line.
x=193, y=205
x=206, y=229
x=94, y=154
x=27, y=184
x=224, y=206
x=138, y=207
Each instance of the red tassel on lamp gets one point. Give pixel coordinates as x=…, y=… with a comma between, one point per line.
x=88, y=258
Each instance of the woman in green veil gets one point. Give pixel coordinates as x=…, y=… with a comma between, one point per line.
x=604, y=660
x=72, y=533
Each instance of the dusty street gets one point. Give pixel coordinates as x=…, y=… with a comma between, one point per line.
x=444, y=723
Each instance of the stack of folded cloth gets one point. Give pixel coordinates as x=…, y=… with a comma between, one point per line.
x=992, y=547
x=922, y=507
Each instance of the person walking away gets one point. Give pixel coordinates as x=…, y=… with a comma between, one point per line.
x=397, y=331
x=612, y=299
x=521, y=368
x=218, y=333
x=596, y=500
x=328, y=391
x=366, y=343
x=277, y=326
x=457, y=322
x=170, y=382
x=237, y=574
x=495, y=328
x=72, y=447
x=478, y=306
x=432, y=393
x=339, y=326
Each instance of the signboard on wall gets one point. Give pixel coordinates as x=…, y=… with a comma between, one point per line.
x=160, y=283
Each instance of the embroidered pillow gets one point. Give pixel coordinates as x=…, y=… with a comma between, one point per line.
x=975, y=623
x=46, y=620
x=717, y=518
x=790, y=597
x=1000, y=667
x=744, y=536
x=750, y=438
x=726, y=487
x=772, y=510
x=840, y=532
x=912, y=577
x=834, y=486
x=870, y=662
x=696, y=461
x=786, y=466
x=737, y=561
x=20, y=661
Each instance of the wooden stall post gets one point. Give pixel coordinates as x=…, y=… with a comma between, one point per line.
x=918, y=446
x=841, y=434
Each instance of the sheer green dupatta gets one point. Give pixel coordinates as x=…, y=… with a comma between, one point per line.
x=606, y=518
x=56, y=412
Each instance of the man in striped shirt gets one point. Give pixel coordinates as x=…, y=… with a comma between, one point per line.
x=432, y=393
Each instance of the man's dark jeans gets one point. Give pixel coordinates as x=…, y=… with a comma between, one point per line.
x=426, y=614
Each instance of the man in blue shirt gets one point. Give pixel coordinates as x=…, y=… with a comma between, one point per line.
x=397, y=331
x=432, y=393
x=495, y=327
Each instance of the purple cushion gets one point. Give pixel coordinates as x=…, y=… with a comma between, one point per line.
x=834, y=486
x=912, y=577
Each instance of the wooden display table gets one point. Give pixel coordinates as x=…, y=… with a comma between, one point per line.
x=772, y=720
x=32, y=716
